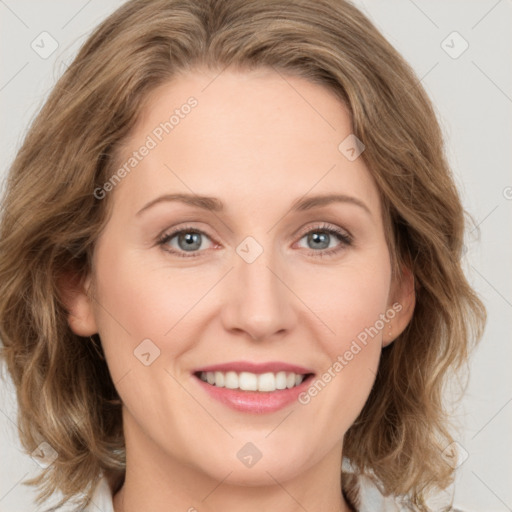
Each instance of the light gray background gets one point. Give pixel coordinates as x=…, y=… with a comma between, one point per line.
x=473, y=97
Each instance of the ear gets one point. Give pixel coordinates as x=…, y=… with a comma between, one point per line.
x=402, y=299
x=74, y=292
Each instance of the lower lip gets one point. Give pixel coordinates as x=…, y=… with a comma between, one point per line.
x=256, y=402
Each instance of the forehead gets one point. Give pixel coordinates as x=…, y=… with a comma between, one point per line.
x=244, y=135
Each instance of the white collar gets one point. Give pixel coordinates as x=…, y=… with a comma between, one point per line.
x=365, y=496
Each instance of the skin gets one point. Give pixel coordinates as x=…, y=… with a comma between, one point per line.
x=258, y=141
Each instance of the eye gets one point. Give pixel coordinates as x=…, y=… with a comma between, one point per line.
x=185, y=240
x=326, y=240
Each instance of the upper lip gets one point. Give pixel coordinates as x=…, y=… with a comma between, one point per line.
x=246, y=366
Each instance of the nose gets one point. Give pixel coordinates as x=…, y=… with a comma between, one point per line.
x=258, y=301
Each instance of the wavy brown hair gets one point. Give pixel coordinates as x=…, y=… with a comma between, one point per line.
x=51, y=219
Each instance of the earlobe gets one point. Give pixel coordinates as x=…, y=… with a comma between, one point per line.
x=75, y=297
x=402, y=302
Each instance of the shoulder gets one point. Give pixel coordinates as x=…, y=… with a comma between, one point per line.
x=364, y=495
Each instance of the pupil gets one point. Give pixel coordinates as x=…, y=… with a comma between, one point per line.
x=192, y=241
x=321, y=238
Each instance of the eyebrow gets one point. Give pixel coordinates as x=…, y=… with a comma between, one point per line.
x=214, y=204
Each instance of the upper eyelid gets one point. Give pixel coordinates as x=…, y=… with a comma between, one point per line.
x=319, y=225
x=323, y=226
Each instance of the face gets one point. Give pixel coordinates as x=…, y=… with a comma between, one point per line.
x=221, y=261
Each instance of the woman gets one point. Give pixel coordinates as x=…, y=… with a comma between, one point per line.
x=230, y=259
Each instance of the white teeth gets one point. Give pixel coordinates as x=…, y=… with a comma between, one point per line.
x=231, y=380
x=280, y=380
x=247, y=381
x=219, y=379
x=266, y=382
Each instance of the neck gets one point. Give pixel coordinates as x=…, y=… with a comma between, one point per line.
x=159, y=482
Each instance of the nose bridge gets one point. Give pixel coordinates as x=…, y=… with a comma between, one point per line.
x=260, y=304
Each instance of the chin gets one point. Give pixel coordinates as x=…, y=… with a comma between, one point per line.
x=253, y=464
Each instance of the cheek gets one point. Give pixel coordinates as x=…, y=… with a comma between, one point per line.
x=352, y=307
x=349, y=301
x=137, y=300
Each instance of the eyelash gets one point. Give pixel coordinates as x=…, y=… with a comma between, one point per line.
x=344, y=238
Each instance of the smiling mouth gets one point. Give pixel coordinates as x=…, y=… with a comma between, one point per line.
x=247, y=381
